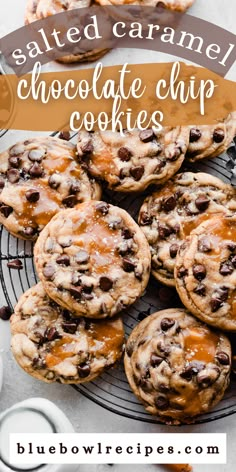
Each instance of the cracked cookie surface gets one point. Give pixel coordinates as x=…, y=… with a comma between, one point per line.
x=93, y=259
x=51, y=344
x=176, y=366
x=38, y=178
x=134, y=160
x=168, y=216
x=205, y=272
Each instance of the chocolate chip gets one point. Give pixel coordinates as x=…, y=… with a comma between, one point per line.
x=81, y=257
x=87, y=148
x=65, y=135
x=206, y=379
x=48, y=272
x=37, y=155
x=70, y=201
x=145, y=385
x=226, y=268
x=124, y=154
x=105, y=284
x=14, y=162
x=2, y=183
x=16, y=150
x=128, y=265
x=53, y=182
x=173, y=249
x=15, y=264
x=39, y=363
x=36, y=170
x=5, y=313
x=63, y=260
x=145, y=218
x=202, y=202
x=182, y=272
x=75, y=187
x=29, y=231
x=223, y=358
x=218, y=136
x=76, y=292
x=164, y=231
x=155, y=360
x=146, y=135
x=32, y=195
x=137, y=172
x=126, y=233
x=168, y=204
x=69, y=327
x=173, y=154
x=231, y=246
x=103, y=208
x=13, y=176
x=161, y=402
x=51, y=334
x=84, y=370
x=204, y=245
x=129, y=349
x=199, y=271
x=223, y=293
x=195, y=135
x=191, y=370
x=200, y=289
x=215, y=304
x=167, y=323
x=6, y=210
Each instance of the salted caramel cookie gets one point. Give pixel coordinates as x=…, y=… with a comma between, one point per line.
x=40, y=9
x=205, y=272
x=134, y=160
x=39, y=177
x=50, y=344
x=93, y=260
x=176, y=366
x=168, y=216
x=178, y=5
x=211, y=140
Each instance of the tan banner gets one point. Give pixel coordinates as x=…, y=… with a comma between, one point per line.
x=116, y=97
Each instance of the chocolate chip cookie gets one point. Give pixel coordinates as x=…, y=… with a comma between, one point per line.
x=178, y=5
x=211, y=140
x=134, y=160
x=51, y=344
x=176, y=366
x=39, y=177
x=93, y=260
x=40, y=9
x=205, y=272
x=168, y=215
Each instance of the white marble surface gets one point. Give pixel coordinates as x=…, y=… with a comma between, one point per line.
x=85, y=415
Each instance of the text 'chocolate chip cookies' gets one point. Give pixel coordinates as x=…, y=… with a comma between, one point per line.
x=176, y=366
x=38, y=178
x=169, y=215
x=206, y=272
x=52, y=345
x=93, y=260
x=134, y=160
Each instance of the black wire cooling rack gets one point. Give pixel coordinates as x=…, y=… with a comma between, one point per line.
x=111, y=390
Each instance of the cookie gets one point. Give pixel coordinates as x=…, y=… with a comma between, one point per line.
x=178, y=5
x=211, y=140
x=205, y=272
x=93, y=260
x=168, y=215
x=40, y=9
x=176, y=366
x=50, y=344
x=134, y=160
x=38, y=178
